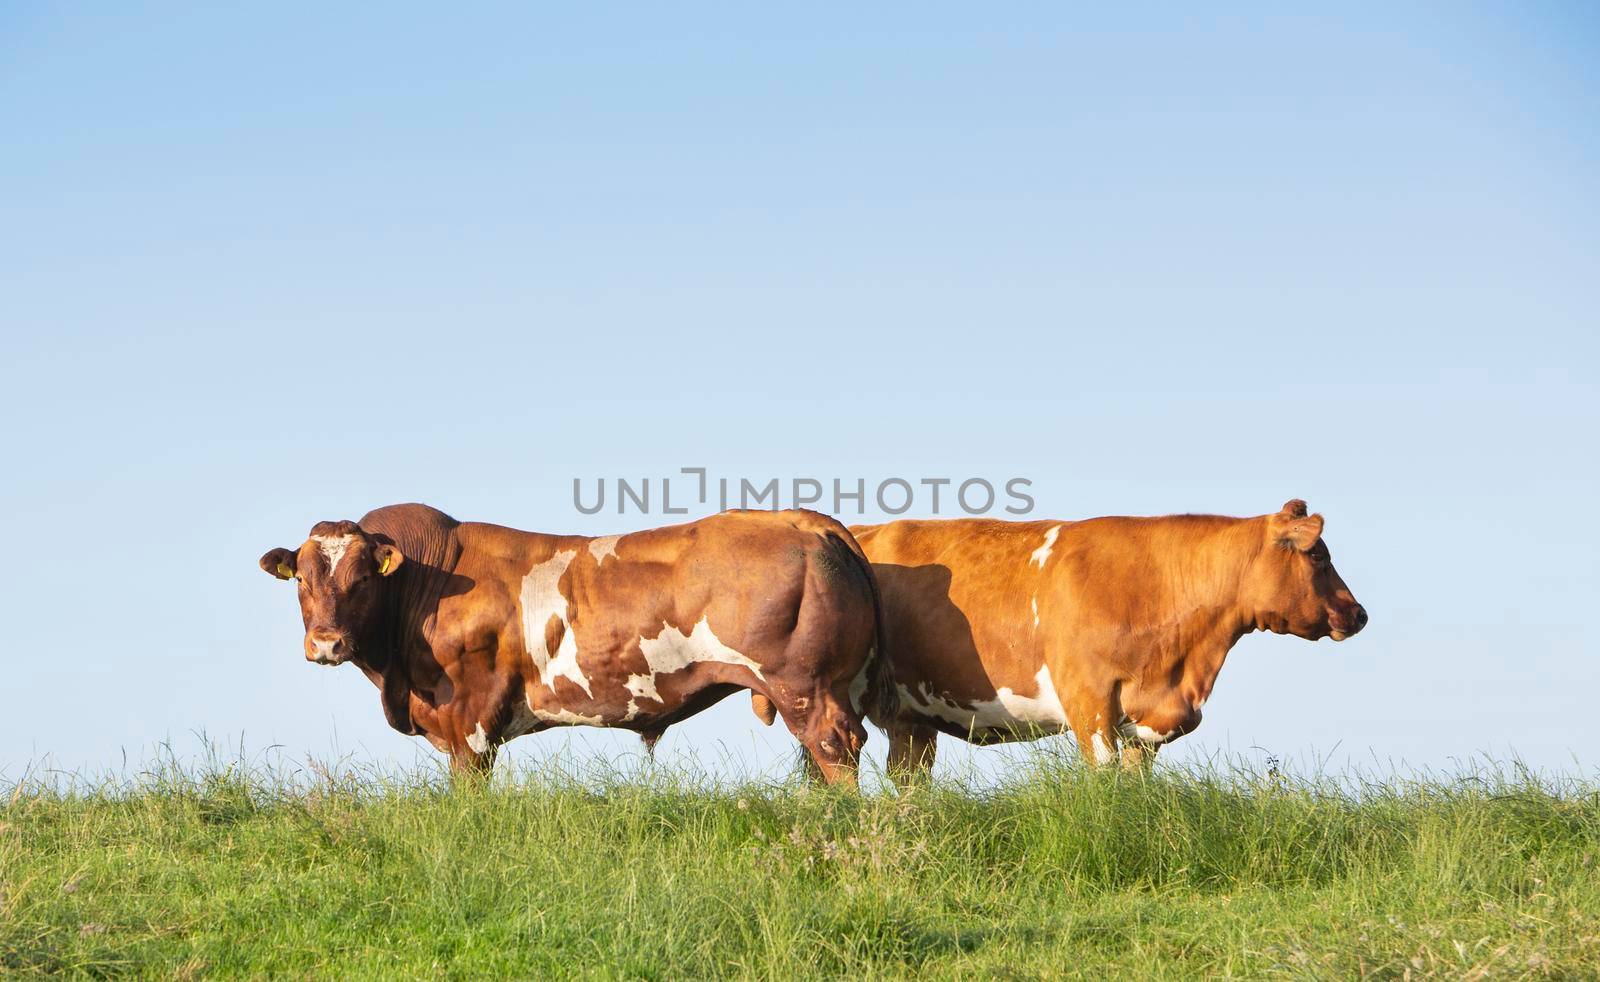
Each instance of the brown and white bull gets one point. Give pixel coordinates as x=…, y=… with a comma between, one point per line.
x=1114, y=628
x=476, y=633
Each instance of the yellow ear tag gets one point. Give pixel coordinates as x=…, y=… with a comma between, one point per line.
x=284, y=572
x=383, y=567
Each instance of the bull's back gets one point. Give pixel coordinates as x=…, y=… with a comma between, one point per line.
x=758, y=580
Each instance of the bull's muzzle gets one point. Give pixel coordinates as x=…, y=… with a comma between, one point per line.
x=326, y=647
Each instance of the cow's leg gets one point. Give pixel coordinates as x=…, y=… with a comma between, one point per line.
x=1093, y=720
x=830, y=731
x=911, y=750
x=1169, y=719
x=1138, y=755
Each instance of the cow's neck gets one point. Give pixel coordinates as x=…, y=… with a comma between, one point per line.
x=1192, y=651
x=1203, y=591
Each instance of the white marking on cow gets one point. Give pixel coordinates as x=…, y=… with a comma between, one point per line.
x=1102, y=751
x=333, y=548
x=478, y=740
x=1007, y=710
x=672, y=651
x=1042, y=709
x=1035, y=611
x=928, y=703
x=602, y=547
x=1041, y=554
x=1132, y=729
x=1148, y=735
x=541, y=600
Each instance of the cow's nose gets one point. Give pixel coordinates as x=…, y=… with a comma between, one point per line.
x=1361, y=618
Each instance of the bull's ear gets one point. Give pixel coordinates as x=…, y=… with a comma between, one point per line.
x=1294, y=508
x=1295, y=531
x=388, y=559
x=280, y=563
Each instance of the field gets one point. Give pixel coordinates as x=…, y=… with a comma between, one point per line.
x=234, y=869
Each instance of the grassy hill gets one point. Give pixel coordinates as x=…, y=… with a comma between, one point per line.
x=1058, y=872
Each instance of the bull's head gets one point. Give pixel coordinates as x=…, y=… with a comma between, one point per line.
x=340, y=569
x=1292, y=584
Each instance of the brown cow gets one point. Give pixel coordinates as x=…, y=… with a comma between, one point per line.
x=477, y=633
x=1111, y=627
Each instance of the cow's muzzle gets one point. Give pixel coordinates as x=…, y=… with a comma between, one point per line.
x=1347, y=624
x=327, y=647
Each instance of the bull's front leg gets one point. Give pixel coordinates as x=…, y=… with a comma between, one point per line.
x=468, y=747
x=473, y=763
x=472, y=721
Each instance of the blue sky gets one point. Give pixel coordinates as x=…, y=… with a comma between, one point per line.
x=263, y=268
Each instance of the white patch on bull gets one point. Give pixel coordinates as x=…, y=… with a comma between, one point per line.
x=1041, y=554
x=1007, y=710
x=528, y=718
x=642, y=687
x=602, y=547
x=541, y=600
x=1102, y=751
x=672, y=651
x=1035, y=611
x=566, y=717
x=333, y=548
x=478, y=740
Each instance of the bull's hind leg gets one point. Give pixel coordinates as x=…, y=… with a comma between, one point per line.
x=911, y=750
x=830, y=731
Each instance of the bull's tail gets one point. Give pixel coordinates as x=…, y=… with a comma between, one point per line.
x=882, y=703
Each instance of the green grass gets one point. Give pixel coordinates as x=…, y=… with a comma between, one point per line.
x=232, y=870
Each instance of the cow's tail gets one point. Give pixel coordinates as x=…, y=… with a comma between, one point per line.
x=882, y=699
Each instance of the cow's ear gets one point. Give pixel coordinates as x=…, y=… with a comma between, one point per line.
x=280, y=563
x=1295, y=531
x=388, y=559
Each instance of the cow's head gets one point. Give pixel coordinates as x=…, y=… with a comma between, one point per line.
x=1292, y=584
x=340, y=570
